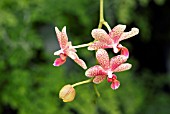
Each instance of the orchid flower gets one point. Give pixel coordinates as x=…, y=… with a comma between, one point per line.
x=107, y=67
x=66, y=50
x=111, y=40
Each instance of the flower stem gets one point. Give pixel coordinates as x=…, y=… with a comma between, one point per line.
x=101, y=15
x=82, y=82
x=96, y=90
x=107, y=26
x=82, y=45
x=102, y=21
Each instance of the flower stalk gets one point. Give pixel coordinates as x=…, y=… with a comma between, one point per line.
x=101, y=20
x=82, y=45
x=82, y=82
x=96, y=90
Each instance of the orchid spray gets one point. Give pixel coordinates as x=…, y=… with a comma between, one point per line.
x=106, y=67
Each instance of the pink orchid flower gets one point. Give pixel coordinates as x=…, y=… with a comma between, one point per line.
x=107, y=67
x=66, y=50
x=111, y=40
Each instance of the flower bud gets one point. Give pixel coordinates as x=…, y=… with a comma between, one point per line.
x=67, y=93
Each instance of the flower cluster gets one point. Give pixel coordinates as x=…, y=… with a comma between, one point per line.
x=102, y=41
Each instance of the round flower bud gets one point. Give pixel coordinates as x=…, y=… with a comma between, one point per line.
x=67, y=93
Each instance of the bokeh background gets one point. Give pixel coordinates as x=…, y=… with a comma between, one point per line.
x=29, y=83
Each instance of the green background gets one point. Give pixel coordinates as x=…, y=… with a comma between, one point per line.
x=29, y=83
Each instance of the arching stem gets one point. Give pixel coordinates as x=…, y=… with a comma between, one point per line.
x=82, y=82
x=101, y=20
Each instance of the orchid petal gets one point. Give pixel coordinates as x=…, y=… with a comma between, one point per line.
x=95, y=71
x=122, y=67
x=116, y=33
x=62, y=37
x=103, y=58
x=116, y=61
x=115, y=84
x=101, y=35
x=99, y=79
x=126, y=35
x=70, y=47
x=72, y=55
x=81, y=63
x=75, y=57
x=98, y=45
x=59, y=62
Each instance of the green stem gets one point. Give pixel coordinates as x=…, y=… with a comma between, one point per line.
x=96, y=90
x=107, y=26
x=101, y=14
x=82, y=82
x=102, y=21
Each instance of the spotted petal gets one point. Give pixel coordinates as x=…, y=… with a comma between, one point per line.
x=75, y=57
x=126, y=35
x=95, y=71
x=117, y=61
x=72, y=55
x=101, y=35
x=116, y=33
x=99, y=79
x=123, y=67
x=103, y=58
x=98, y=45
x=81, y=63
x=62, y=37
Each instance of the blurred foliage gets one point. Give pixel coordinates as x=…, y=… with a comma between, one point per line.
x=29, y=84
